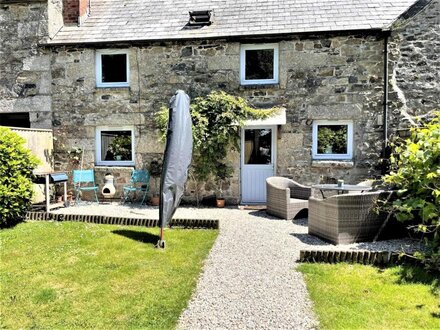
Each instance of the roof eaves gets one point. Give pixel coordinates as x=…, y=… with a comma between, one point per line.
x=213, y=37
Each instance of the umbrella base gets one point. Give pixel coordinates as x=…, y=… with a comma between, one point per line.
x=160, y=244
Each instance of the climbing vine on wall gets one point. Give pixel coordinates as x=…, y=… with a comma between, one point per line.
x=217, y=122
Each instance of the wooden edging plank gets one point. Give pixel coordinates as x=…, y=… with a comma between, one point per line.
x=377, y=258
x=101, y=219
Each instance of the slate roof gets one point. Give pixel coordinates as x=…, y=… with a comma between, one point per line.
x=135, y=20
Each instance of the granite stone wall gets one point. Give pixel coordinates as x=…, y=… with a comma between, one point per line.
x=25, y=81
x=415, y=64
x=321, y=77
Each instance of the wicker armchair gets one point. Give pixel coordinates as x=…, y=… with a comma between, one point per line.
x=285, y=197
x=348, y=218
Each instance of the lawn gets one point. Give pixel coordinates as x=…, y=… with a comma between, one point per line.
x=79, y=275
x=365, y=297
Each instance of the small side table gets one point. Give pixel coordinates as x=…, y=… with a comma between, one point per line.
x=48, y=178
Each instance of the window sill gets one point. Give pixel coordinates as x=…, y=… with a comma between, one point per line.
x=112, y=87
x=260, y=86
x=113, y=167
x=332, y=163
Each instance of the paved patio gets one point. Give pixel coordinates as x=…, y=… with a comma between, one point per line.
x=249, y=279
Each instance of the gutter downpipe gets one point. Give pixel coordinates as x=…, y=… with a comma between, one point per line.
x=385, y=151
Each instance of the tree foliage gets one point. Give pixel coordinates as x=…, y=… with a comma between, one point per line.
x=415, y=172
x=16, y=165
x=217, y=121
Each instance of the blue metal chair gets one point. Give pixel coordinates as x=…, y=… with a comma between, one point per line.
x=84, y=180
x=140, y=181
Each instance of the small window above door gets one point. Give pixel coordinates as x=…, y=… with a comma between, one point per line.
x=112, y=68
x=259, y=64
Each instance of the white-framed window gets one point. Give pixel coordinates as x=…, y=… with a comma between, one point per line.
x=115, y=146
x=332, y=139
x=112, y=68
x=259, y=64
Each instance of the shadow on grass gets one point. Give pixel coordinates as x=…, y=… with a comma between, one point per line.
x=139, y=236
x=417, y=275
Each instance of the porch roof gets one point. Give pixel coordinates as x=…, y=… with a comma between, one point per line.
x=140, y=20
x=277, y=119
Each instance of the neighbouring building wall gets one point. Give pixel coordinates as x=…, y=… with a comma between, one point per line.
x=321, y=77
x=40, y=143
x=415, y=64
x=25, y=78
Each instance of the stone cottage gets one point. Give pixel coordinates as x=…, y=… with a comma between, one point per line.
x=348, y=73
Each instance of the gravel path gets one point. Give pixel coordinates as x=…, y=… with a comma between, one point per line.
x=249, y=279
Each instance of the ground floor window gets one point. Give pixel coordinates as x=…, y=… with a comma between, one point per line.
x=332, y=139
x=115, y=146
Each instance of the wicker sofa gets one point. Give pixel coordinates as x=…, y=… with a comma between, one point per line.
x=347, y=218
x=285, y=197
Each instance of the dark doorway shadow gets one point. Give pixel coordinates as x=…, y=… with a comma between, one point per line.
x=139, y=236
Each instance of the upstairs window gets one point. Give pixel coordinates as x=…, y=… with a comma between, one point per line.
x=115, y=146
x=17, y=119
x=332, y=139
x=259, y=64
x=112, y=69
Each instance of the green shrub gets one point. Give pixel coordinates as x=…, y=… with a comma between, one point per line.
x=16, y=165
x=415, y=172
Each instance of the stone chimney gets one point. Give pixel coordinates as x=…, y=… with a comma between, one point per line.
x=75, y=11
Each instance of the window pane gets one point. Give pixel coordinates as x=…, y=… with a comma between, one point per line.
x=116, y=145
x=114, y=68
x=332, y=139
x=257, y=146
x=259, y=64
x=15, y=119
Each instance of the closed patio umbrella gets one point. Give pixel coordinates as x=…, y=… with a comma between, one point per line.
x=177, y=158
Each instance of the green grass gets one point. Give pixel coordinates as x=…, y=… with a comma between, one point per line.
x=364, y=297
x=79, y=275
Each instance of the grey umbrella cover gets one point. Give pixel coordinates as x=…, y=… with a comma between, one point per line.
x=177, y=157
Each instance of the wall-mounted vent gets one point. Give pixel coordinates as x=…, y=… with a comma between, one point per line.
x=200, y=17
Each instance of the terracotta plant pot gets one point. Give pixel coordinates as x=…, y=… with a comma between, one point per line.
x=155, y=200
x=220, y=202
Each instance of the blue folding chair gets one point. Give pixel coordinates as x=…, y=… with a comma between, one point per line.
x=140, y=182
x=84, y=180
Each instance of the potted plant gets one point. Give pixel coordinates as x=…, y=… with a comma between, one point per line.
x=155, y=172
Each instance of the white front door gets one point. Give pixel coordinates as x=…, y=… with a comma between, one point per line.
x=258, y=154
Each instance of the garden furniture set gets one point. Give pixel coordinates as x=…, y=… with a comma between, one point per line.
x=352, y=215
